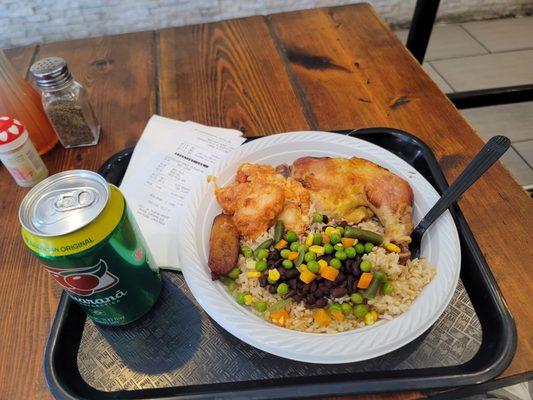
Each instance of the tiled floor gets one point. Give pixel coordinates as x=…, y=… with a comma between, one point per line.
x=489, y=54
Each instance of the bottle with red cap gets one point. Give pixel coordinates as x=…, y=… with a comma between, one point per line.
x=18, y=153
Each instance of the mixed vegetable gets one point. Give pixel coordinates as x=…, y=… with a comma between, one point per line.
x=325, y=271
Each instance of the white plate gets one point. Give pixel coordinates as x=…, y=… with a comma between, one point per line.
x=440, y=246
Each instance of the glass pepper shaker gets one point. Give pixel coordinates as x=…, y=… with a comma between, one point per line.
x=66, y=103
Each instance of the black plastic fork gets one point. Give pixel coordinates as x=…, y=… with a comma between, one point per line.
x=488, y=155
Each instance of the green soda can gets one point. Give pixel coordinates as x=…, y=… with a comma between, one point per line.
x=83, y=233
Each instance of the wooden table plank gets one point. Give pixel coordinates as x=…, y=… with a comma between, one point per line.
x=120, y=76
x=227, y=74
x=21, y=57
x=355, y=73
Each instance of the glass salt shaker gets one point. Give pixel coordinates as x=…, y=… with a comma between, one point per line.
x=66, y=103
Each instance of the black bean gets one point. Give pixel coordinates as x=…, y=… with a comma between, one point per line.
x=322, y=302
x=318, y=278
x=329, y=283
x=297, y=298
x=282, y=273
x=314, y=285
x=263, y=281
x=291, y=293
x=273, y=255
x=340, y=277
x=305, y=289
x=272, y=289
x=292, y=284
x=338, y=292
x=310, y=299
x=318, y=293
x=349, y=282
x=327, y=258
x=292, y=273
x=310, y=306
x=343, y=224
x=325, y=218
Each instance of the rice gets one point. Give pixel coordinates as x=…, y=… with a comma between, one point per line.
x=408, y=280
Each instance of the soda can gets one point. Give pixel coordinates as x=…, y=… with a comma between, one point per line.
x=83, y=233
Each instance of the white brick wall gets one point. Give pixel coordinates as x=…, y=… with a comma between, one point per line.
x=32, y=21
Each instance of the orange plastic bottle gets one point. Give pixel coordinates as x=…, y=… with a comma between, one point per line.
x=20, y=100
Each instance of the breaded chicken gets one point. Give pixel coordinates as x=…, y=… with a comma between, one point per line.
x=354, y=189
x=260, y=196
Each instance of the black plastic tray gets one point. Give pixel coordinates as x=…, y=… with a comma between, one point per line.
x=177, y=351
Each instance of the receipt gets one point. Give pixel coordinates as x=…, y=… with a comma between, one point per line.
x=170, y=159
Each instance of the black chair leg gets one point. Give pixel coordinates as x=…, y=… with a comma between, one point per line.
x=421, y=26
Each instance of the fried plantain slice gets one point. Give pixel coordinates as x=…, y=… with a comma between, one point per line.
x=223, y=245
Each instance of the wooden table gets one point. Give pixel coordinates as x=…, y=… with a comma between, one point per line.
x=326, y=69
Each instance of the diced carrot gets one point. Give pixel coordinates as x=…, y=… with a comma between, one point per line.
x=325, y=238
x=281, y=244
x=307, y=276
x=329, y=273
x=280, y=317
x=338, y=315
x=293, y=255
x=347, y=242
x=321, y=317
x=364, y=280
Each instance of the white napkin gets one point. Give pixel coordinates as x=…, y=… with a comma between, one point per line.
x=170, y=158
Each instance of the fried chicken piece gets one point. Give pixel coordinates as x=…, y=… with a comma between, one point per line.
x=354, y=189
x=223, y=245
x=260, y=196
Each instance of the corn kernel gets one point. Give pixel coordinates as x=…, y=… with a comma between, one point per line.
x=309, y=240
x=392, y=247
x=323, y=264
x=371, y=317
x=329, y=230
x=248, y=299
x=273, y=275
x=318, y=250
x=254, y=274
x=307, y=277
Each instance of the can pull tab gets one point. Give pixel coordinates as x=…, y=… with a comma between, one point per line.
x=74, y=200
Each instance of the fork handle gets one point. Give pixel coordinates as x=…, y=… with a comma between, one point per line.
x=488, y=155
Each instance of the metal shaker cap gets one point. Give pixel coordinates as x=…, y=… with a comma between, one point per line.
x=50, y=72
x=64, y=203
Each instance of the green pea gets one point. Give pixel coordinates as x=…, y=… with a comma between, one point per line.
x=287, y=264
x=231, y=286
x=318, y=217
x=328, y=248
x=360, y=310
x=302, y=247
x=313, y=266
x=360, y=248
x=291, y=236
x=284, y=253
x=283, y=289
x=240, y=298
x=341, y=255
x=335, y=263
x=340, y=229
x=365, y=266
x=350, y=252
x=295, y=246
x=260, y=265
x=346, y=308
x=247, y=251
x=338, y=247
x=356, y=298
x=261, y=306
x=334, y=238
x=334, y=307
x=261, y=254
x=368, y=247
x=317, y=239
x=310, y=256
x=234, y=273
x=387, y=288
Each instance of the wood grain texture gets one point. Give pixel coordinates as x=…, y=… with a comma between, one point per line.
x=227, y=74
x=355, y=73
x=119, y=74
x=21, y=58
